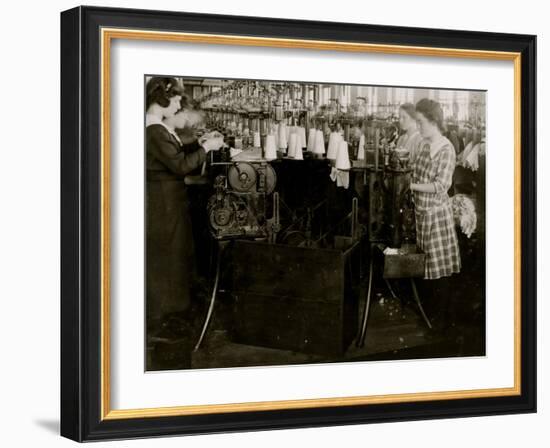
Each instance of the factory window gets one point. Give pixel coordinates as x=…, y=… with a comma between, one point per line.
x=326, y=95
x=463, y=102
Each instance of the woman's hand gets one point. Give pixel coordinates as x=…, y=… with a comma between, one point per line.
x=212, y=141
x=212, y=144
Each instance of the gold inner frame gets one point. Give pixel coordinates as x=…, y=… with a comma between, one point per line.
x=107, y=35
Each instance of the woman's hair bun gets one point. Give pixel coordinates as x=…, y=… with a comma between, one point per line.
x=432, y=111
x=409, y=109
x=159, y=90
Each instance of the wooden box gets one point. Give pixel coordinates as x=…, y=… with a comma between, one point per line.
x=295, y=298
x=408, y=262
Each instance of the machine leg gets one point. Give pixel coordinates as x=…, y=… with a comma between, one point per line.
x=388, y=284
x=417, y=300
x=361, y=340
x=213, y=298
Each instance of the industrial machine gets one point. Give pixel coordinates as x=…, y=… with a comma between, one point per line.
x=299, y=244
x=239, y=206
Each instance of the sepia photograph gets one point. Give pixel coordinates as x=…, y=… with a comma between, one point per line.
x=296, y=223
x=277, y=223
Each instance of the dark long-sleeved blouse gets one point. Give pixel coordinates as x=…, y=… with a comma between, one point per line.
x=164, y=154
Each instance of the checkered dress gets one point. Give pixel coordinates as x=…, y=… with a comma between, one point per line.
x=435, y=229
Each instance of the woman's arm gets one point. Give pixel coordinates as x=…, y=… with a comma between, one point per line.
x=423, y=188
x=444, y=176
x=164, y=149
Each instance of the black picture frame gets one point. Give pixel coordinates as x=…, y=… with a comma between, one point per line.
x=81, y=381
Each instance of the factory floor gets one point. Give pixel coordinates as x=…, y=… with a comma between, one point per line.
x=396, y=330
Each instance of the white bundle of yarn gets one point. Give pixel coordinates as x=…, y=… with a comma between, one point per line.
x=333, y=141
x=342, y=156
x=298, y=154
x=292, y=144
x=270, y=150
x=340, y=177
x=257, y=143
x=361, y=150
x=311, y=140
x=302, y=136
x=319, y=142
x=283, y=137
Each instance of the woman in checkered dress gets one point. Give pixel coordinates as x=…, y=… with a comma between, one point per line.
x=432, y=177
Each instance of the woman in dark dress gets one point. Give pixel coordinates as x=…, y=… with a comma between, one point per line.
x=169, y=242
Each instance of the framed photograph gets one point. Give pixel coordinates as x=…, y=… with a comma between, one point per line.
x=273, y=223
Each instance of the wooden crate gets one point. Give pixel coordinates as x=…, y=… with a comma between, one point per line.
x=295, y=298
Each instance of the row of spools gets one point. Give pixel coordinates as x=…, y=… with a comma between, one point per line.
x=291, y=141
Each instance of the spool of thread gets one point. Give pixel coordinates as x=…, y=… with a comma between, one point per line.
x=302, y=136
x=334, y=141
x=289, y=131
x=275, y=132
x=342, y=158
x=292, y=144
x=270, y=150
x=298, y=155
x=257, y=140
x=298, y=145
x=283, y=142
x=319, y=142
x=311, y=140
x=361, y=150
